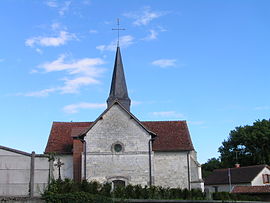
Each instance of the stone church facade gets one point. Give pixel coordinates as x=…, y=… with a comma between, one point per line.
x=119, y=148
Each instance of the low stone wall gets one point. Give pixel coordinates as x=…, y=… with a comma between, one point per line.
x=22, y=173
x=21, y=200
x=39, y=200
x=186, y=201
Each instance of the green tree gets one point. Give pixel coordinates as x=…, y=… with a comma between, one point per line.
x=209, y=166
x=247, y=145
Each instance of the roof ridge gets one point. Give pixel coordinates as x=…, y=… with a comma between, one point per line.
x=167, y=121
x=252, y=186
x=73, y=121
x=94, y=121
x=252, y=166
x=116, y=101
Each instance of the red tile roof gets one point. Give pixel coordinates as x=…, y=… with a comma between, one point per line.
x=171, y=135
x=60, y=139
x=251, y=189
x=238, y=175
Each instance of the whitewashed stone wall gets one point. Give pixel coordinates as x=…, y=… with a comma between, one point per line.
x=171, y=169
x=258, y=180
x=41, y=175
x=196, y=181
x=15, y=173
x=130, y=165
x=66, y=170
x=222, y=188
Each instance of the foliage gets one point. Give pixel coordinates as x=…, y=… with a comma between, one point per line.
x=236, y=197
x=209, y=166
x=62, y=190
x=51, y=156
x=69, y=186
x=156, y=192
x=250, y=144
x=76, y=197
x=69, y=191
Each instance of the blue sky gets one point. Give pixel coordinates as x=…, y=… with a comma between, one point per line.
x=206, y=62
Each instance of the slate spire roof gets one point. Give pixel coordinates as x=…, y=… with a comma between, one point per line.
x=118, y=86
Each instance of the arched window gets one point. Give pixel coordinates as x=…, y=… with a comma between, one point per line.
x=118, y=183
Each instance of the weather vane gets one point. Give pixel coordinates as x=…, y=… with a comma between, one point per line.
x=118, y=29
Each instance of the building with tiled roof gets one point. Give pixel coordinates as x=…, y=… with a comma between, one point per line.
x=238, y=179
x=262, y=191
x=119, y=148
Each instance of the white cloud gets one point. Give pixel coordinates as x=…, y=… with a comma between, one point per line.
x=78, y=73
x=152, y=35
x=39, y=51
x=262, y=108
x=161, y=29
x=144, y=17
x=134, y=103
x=86, y=66
x=74, y=108
x=93, y=31
x=41, y=93
x=124, y=42
x=86, y=2
x=64, y=8
x=171, y=114
x=62, y=39
x=73, y=85
x=163, y=63
x=56, y=26
x=51, y=3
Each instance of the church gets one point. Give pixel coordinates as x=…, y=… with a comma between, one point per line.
x=120, y=149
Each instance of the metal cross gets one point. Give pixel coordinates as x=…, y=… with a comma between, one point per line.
x=59, y=164
x=118, y=29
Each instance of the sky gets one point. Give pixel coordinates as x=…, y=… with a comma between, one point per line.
x=206, y=62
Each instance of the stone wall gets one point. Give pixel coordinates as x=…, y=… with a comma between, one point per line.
x=196, y=180
x=66, y=170
x=171, y=169
x=222, y=188
x=258, y=180
x=131, y=164
x=21, y=173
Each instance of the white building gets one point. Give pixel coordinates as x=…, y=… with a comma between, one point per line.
x=231, y=179
x=119, y=148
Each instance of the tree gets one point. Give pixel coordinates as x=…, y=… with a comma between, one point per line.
x=209, y=166
x=247, y=145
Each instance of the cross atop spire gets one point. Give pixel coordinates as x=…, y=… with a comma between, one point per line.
x=118, y=29
x=118, y=86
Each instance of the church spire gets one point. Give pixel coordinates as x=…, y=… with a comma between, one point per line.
x=118, y=86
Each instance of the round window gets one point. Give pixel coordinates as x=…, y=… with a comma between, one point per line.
x=118, y=147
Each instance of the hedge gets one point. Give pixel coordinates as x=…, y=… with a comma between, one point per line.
x=76, y=197
x=70, y=191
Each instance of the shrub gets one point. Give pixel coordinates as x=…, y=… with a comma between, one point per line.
x=77, y=197
x=64, y=189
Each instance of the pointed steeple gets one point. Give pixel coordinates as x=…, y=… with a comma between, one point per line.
x=118, y=86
